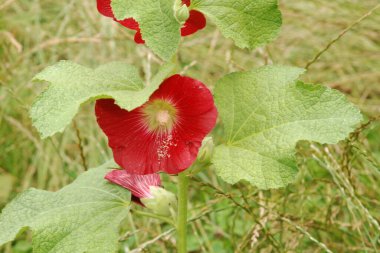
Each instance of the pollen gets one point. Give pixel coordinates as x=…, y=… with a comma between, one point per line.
x=159, y=116
x=163, y=117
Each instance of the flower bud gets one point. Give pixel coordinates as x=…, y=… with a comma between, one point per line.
x=161, y=202
x=206, y=152
x=181, y=11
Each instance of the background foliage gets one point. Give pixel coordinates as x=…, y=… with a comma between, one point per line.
x=334, y=203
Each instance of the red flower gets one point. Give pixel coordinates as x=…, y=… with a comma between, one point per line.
x=138, y=185
x=195, y=22
x=165, y=133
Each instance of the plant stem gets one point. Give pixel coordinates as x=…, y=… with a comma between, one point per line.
x=80, y=145
x=153, y=215
x=182, y=213
x=134, y=230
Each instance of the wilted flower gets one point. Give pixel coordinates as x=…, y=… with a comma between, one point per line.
x=146, y=190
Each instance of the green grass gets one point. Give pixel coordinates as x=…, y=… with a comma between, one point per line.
x=334, y=203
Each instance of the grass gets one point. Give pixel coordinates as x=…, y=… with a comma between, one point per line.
x=333, y=206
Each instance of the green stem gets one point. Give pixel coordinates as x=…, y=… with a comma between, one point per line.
x=134, y=230
x=182, y=213
x=153, y=215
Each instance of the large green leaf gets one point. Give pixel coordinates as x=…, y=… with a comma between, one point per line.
x=72, y=85
x=265, y=112
x=159, y=27
x=250, y=23
x=82, y=217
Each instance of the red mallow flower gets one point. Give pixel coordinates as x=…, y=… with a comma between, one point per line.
x=194, y=23
x=165, y=133
x=138, y=185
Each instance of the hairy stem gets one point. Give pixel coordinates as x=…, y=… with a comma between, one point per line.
x=134, y=230
x=182, y=213
x=153, y=215
x=80, y=145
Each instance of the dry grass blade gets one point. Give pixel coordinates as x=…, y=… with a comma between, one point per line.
x=340, y=35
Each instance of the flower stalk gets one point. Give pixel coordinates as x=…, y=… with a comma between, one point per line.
x=154, y=216
x=183, y=185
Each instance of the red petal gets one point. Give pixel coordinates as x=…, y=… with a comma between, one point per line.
x=104, y=7
x=138, y=185
x=130, y=23
x=195, y=22
x=187, y=2
x=141, y=151
x=138, y=38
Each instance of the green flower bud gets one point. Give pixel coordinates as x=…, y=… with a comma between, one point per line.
x=181, y=11
x=207, y=151
x=163, y=202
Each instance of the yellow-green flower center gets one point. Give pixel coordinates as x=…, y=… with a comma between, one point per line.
x=159, y=116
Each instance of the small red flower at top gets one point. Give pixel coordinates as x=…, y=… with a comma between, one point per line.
x=194, y=23
x=165, y=133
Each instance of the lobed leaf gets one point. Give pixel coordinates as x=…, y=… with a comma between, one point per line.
x=82, y=217
x=248, y=23
x=72, y=85
x=265, y=113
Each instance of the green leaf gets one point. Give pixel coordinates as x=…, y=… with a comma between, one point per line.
x=6, y=186
x=159, y=27
x=265, y=113
x=249, y=23
x=82, y=217
x=72, y=85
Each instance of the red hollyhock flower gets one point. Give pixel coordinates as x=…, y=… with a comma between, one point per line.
x=138, y=185
x=195, y=22
x=165, y=133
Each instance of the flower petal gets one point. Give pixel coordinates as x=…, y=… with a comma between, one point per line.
x=141, y=151
x=138, y=38
x=195, y=22
x=187, y=2
x=130, y=23
x=104, y=7
x=138, y=185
